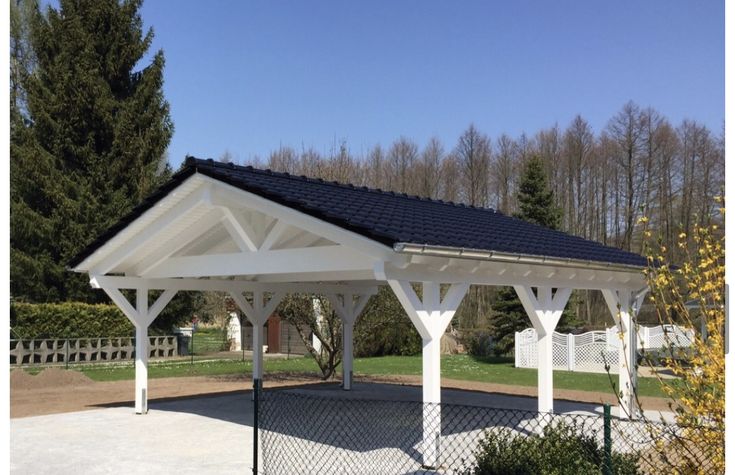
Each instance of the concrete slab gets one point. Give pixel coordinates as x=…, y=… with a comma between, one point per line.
x=202, y=435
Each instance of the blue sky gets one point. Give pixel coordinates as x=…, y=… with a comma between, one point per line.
x=248, y=77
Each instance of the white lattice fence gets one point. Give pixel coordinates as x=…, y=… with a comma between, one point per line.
x=592, y=350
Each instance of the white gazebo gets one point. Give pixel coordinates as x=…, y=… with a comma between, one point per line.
x=259, y=235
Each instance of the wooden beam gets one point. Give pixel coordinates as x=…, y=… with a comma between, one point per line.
x=274, y=234
x=317, y=259
x=226, y=285
x=239, y=230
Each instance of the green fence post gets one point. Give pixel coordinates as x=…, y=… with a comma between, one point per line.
x=256, y=400
x=607, y=464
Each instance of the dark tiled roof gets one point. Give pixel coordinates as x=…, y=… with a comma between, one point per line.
x=390, y=218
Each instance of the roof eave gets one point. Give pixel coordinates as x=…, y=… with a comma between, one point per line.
x=482, y=254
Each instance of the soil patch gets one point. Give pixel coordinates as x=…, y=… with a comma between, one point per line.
x=57, y=390
x=48, y=395
x=48, y=378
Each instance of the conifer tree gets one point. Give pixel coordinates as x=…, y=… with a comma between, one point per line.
x=88, y=140
x=536, y=205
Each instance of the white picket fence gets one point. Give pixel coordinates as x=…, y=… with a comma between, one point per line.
x=592, y=350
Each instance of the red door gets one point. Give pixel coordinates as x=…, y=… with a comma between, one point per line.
x=274, y=334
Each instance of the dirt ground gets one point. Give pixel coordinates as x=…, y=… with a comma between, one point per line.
x=56, y=390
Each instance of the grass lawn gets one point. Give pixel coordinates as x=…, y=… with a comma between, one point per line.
x=461, y=367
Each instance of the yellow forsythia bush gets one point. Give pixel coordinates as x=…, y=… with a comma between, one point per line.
x=685, y=295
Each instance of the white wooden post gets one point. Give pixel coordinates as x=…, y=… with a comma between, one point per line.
x=516, y=348
x=623, y=306
x=571, y=353
x=430, y=315
x=141, y=316
x=348, y=308
x=544, y=310
x=257, y=314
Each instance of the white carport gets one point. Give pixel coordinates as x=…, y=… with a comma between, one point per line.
x=204, y=233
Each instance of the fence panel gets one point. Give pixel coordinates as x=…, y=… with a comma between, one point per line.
x=592, y=350
x=86, y=350
x=330, y=435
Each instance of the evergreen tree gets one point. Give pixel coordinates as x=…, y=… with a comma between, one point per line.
x=536, y=205
x=535, y=198
x=88, y=135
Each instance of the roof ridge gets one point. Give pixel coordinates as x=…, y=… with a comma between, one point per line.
x=193, y=162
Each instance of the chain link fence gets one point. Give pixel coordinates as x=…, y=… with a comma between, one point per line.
x=330, y=435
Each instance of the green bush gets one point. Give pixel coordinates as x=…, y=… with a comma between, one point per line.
x=478, y=342
x=67, y=320
x=559, y=451
x=385, y=329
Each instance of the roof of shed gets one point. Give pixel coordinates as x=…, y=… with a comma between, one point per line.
x=387, y=217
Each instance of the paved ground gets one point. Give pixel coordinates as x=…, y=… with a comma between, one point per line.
x=211, y=434
x=197, y=435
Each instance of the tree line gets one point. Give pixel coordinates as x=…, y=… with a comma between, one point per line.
x=603, y=182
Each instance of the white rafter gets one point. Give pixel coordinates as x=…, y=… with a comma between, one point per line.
x=274, y=234
x=240, y=230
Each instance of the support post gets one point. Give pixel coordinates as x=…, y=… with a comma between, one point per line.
x=544, y=309
x=430, y=315
x=141, y=369
x=257, y=313
x=348, y=307
x=623, y=306
x=141, y=316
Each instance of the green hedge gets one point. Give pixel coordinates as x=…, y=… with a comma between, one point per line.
x=560, y=451
x=67, y=320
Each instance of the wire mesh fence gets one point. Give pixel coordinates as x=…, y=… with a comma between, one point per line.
x=308, y=434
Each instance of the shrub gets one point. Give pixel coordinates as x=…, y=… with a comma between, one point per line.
x=478, y=342
x=558, y=451
x=693, y=290
x=385, y=329
x=67, y=320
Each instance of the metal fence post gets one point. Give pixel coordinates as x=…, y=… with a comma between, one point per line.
x=607, y=464
x=66, y=355
x=256, y=398
x=192, y=345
